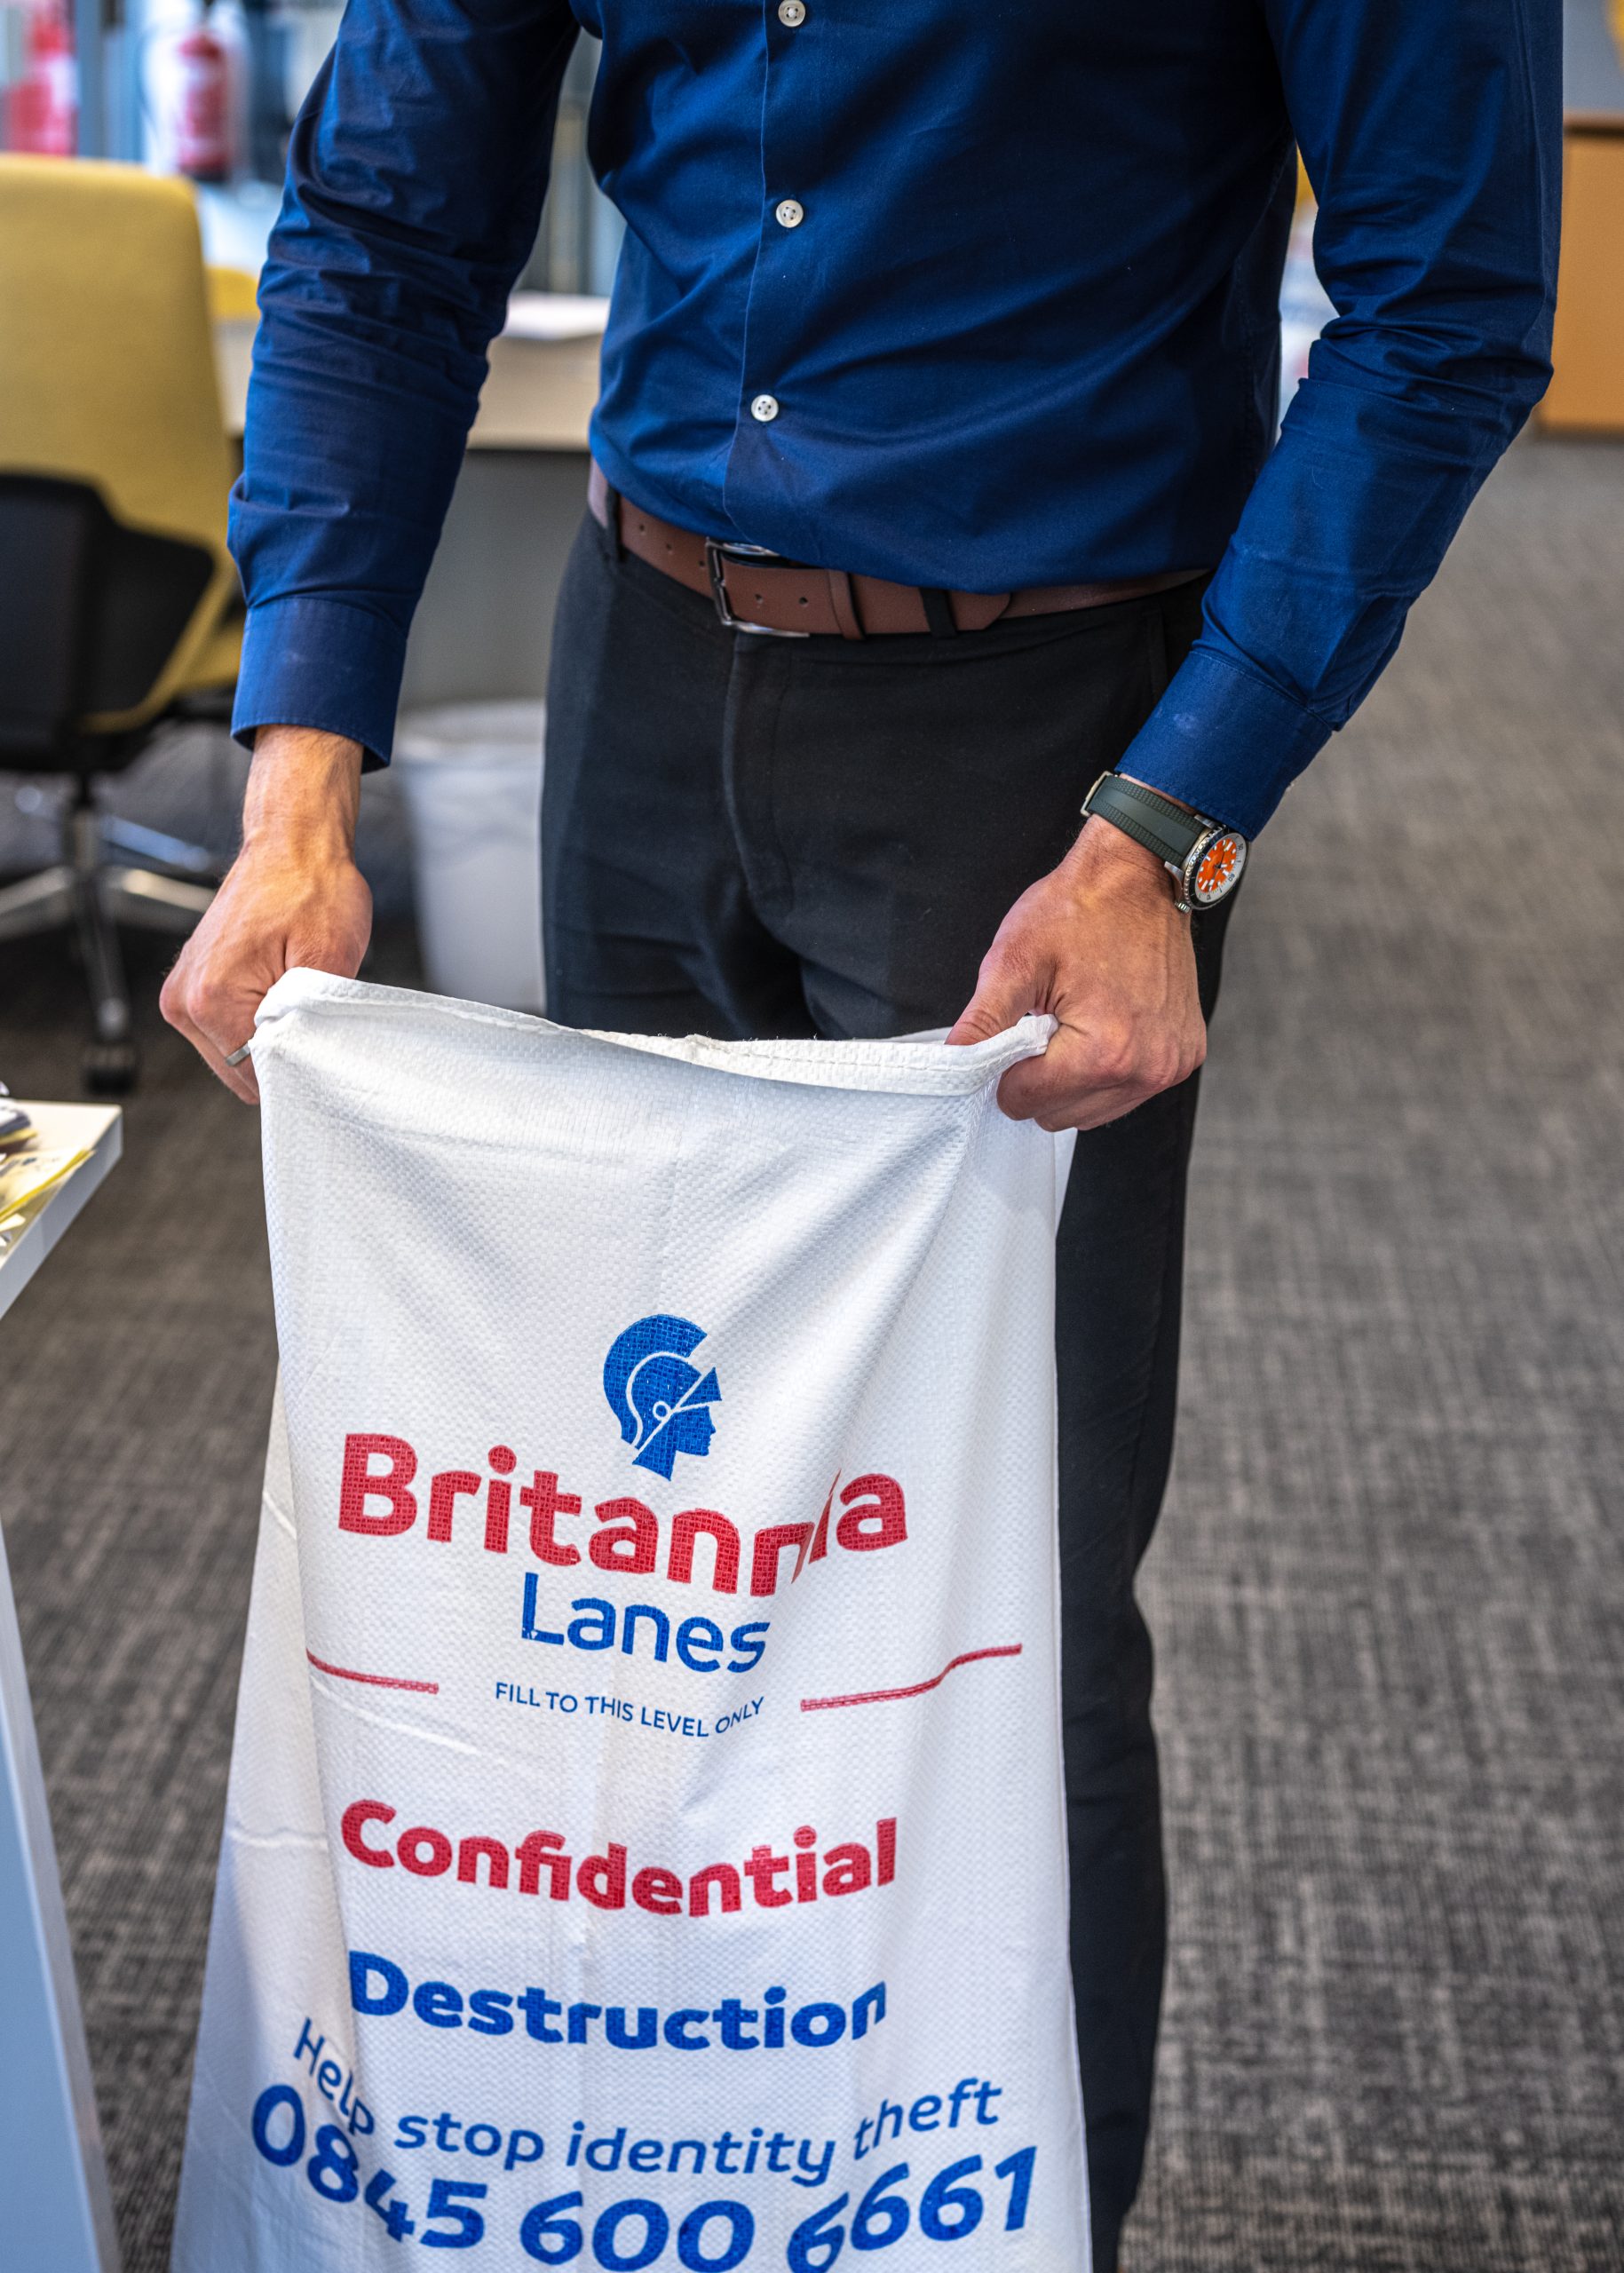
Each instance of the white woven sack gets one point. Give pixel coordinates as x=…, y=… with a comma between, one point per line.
x=645, y=1843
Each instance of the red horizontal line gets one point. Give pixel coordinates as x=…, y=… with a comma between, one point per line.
x=373, y=1680
x=914, y=1688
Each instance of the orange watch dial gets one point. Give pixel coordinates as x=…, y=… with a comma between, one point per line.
x=1218, y=869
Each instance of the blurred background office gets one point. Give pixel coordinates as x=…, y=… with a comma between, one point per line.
x=1389, y=1588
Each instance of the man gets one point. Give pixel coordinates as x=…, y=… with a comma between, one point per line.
x=952, y=328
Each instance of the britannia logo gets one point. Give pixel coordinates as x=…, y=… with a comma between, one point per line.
x=659, y=1398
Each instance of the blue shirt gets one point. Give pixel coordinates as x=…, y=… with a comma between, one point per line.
x=1027, y=331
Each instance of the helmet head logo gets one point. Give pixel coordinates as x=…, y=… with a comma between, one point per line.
x=661, y=1401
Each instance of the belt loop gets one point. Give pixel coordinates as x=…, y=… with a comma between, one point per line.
x=843, y=602
x=938, y=613
x=604, y=504
x=975, y=611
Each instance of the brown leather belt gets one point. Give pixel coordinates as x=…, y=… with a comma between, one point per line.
x=760, y=591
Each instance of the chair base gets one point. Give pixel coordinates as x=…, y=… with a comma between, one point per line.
x=94, y=895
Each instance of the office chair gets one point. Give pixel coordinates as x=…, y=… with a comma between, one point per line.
x=120, y=611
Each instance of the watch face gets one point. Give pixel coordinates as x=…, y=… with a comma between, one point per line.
x=1216, y=870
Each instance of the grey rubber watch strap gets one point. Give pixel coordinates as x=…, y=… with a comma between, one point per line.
x=1165, y=829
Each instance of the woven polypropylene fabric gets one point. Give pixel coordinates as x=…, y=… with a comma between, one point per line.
x=811, y=1283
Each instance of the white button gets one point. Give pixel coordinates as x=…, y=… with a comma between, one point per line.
x=790, y=213
x=764, y=407
x=792, y=13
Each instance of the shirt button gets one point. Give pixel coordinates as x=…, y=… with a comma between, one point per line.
x=766, y=408
x=790, y=213
x=792, y=13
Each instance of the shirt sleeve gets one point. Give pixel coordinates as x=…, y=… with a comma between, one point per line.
x=1432, y=132
x=415, y=175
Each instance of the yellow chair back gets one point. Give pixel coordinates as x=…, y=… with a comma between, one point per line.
x=233, y=294
x=106, y=369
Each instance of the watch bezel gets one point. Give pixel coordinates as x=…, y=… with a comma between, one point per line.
x=1191, y=867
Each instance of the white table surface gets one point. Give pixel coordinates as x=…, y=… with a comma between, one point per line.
x=58, y=2214
x=60, y=1127
x=539, y=395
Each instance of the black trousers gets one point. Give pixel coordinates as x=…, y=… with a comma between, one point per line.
x=752, y=836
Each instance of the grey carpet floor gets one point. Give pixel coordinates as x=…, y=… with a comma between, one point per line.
x=1388, y=1586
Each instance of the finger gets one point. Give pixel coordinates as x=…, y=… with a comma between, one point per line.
x=1080, y=1081
x=1075, y=1086
x=1064, y=1106
x=1005, y=993
x=1062, y=1082
x=238, y=1079
x=220, y=1041
x=243, y=1079
x=1103, y=1107
x=209, y=1039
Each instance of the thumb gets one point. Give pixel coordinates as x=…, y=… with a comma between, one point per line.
x=1005, y=991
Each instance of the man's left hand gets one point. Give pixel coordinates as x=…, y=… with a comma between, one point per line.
x=1098, y=943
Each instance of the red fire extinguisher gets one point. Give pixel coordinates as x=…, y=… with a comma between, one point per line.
x=203, y=102
x=42, y=106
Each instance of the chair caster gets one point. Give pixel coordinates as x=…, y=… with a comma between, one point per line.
x=109, y=1068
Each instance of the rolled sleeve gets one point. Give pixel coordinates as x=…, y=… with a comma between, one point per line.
x=1225, y=740
x=312, y=660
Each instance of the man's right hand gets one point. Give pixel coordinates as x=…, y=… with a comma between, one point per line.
x=294, y=899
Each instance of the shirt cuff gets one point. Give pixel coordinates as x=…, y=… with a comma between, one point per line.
x=1224, y=740
x=311, y=660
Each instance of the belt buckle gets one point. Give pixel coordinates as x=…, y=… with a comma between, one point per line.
x=717, y=554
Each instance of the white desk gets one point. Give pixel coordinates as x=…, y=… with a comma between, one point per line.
x=53, y=2180
x=539, y=394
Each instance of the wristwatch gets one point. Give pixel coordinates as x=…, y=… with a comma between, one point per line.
x=1203, y=858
